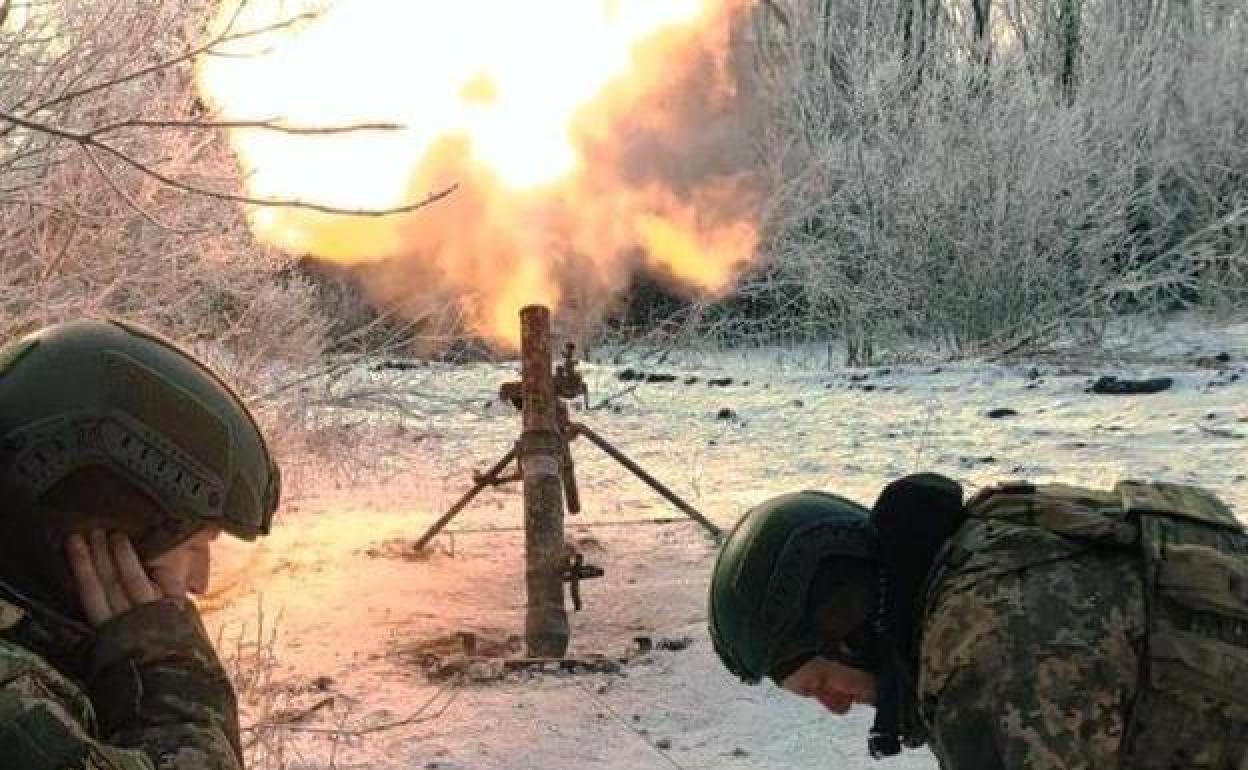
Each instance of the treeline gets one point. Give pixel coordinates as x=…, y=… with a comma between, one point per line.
x=987, y=174
x=976, y=174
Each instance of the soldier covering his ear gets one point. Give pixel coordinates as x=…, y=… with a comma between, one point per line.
x=122, y=458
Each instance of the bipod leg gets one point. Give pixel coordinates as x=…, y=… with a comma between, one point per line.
x=484, y=480
x=654, y=483
x=567, y=471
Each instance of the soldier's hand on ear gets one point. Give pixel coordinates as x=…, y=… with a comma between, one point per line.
x=109, y=575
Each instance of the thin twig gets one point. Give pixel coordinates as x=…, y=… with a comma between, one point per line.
x=608, y=399
x=416, y=717
x=334, y=367
x=430, y=199
x=89, y=141
x=268, y=125
x=186, y=55
x=130, y=201
x=288, y=203
x=286, y=718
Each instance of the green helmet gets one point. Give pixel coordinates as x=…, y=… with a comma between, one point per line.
x=107, y=393
x=758, y=613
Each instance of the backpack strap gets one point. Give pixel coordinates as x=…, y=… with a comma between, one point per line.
x=1080, y=513
x=1183, y=500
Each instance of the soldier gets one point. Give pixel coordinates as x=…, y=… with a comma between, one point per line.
x=121, y=459
x=1035, y=626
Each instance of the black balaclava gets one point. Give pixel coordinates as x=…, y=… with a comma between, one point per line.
x=913, y=518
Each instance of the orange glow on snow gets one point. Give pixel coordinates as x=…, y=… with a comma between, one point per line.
x=534, y=109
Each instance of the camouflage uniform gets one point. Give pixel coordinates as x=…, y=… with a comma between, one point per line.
x=1030, y=664
x=1038, y=626
x=144, y=692
x=178, y=450
x=1070, y=628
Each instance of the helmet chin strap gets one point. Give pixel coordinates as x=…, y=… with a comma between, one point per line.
x=883, y=740
x=896, y=722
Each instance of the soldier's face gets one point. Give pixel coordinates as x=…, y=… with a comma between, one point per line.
x=835, y=685
x=187, y=567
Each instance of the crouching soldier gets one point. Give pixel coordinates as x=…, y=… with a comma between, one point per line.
x=1046, y=627
x=121, y=459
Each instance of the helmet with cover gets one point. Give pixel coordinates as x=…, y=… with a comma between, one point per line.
x=760, y=613
x=91, y=396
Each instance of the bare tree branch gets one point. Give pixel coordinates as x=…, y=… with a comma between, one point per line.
x=87, y=140
x=184, y=56
x=781, y=15
x=130, y=201
x=421, y=714
x=268, y=125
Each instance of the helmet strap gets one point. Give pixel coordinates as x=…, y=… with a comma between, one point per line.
x=883, y=740
x=897, y=721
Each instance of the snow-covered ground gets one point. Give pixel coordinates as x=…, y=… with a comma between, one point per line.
x=343, y=612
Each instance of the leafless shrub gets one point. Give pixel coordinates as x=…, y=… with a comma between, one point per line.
x=1023, y=168
x=119, y=197
x=248, y=650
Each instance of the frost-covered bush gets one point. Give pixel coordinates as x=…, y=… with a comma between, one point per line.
x=103, y=145
x=984, y=174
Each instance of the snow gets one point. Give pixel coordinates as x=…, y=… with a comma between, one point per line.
x=351, y=606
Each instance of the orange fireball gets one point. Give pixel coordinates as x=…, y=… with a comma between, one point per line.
x=576, y=132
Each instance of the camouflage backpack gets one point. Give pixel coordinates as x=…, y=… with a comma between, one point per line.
x=1191, y=710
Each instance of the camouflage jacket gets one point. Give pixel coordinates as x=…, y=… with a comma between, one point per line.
x=148, y=693
x=1030, y=650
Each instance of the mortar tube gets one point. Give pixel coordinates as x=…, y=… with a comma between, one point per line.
x=541, y=451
